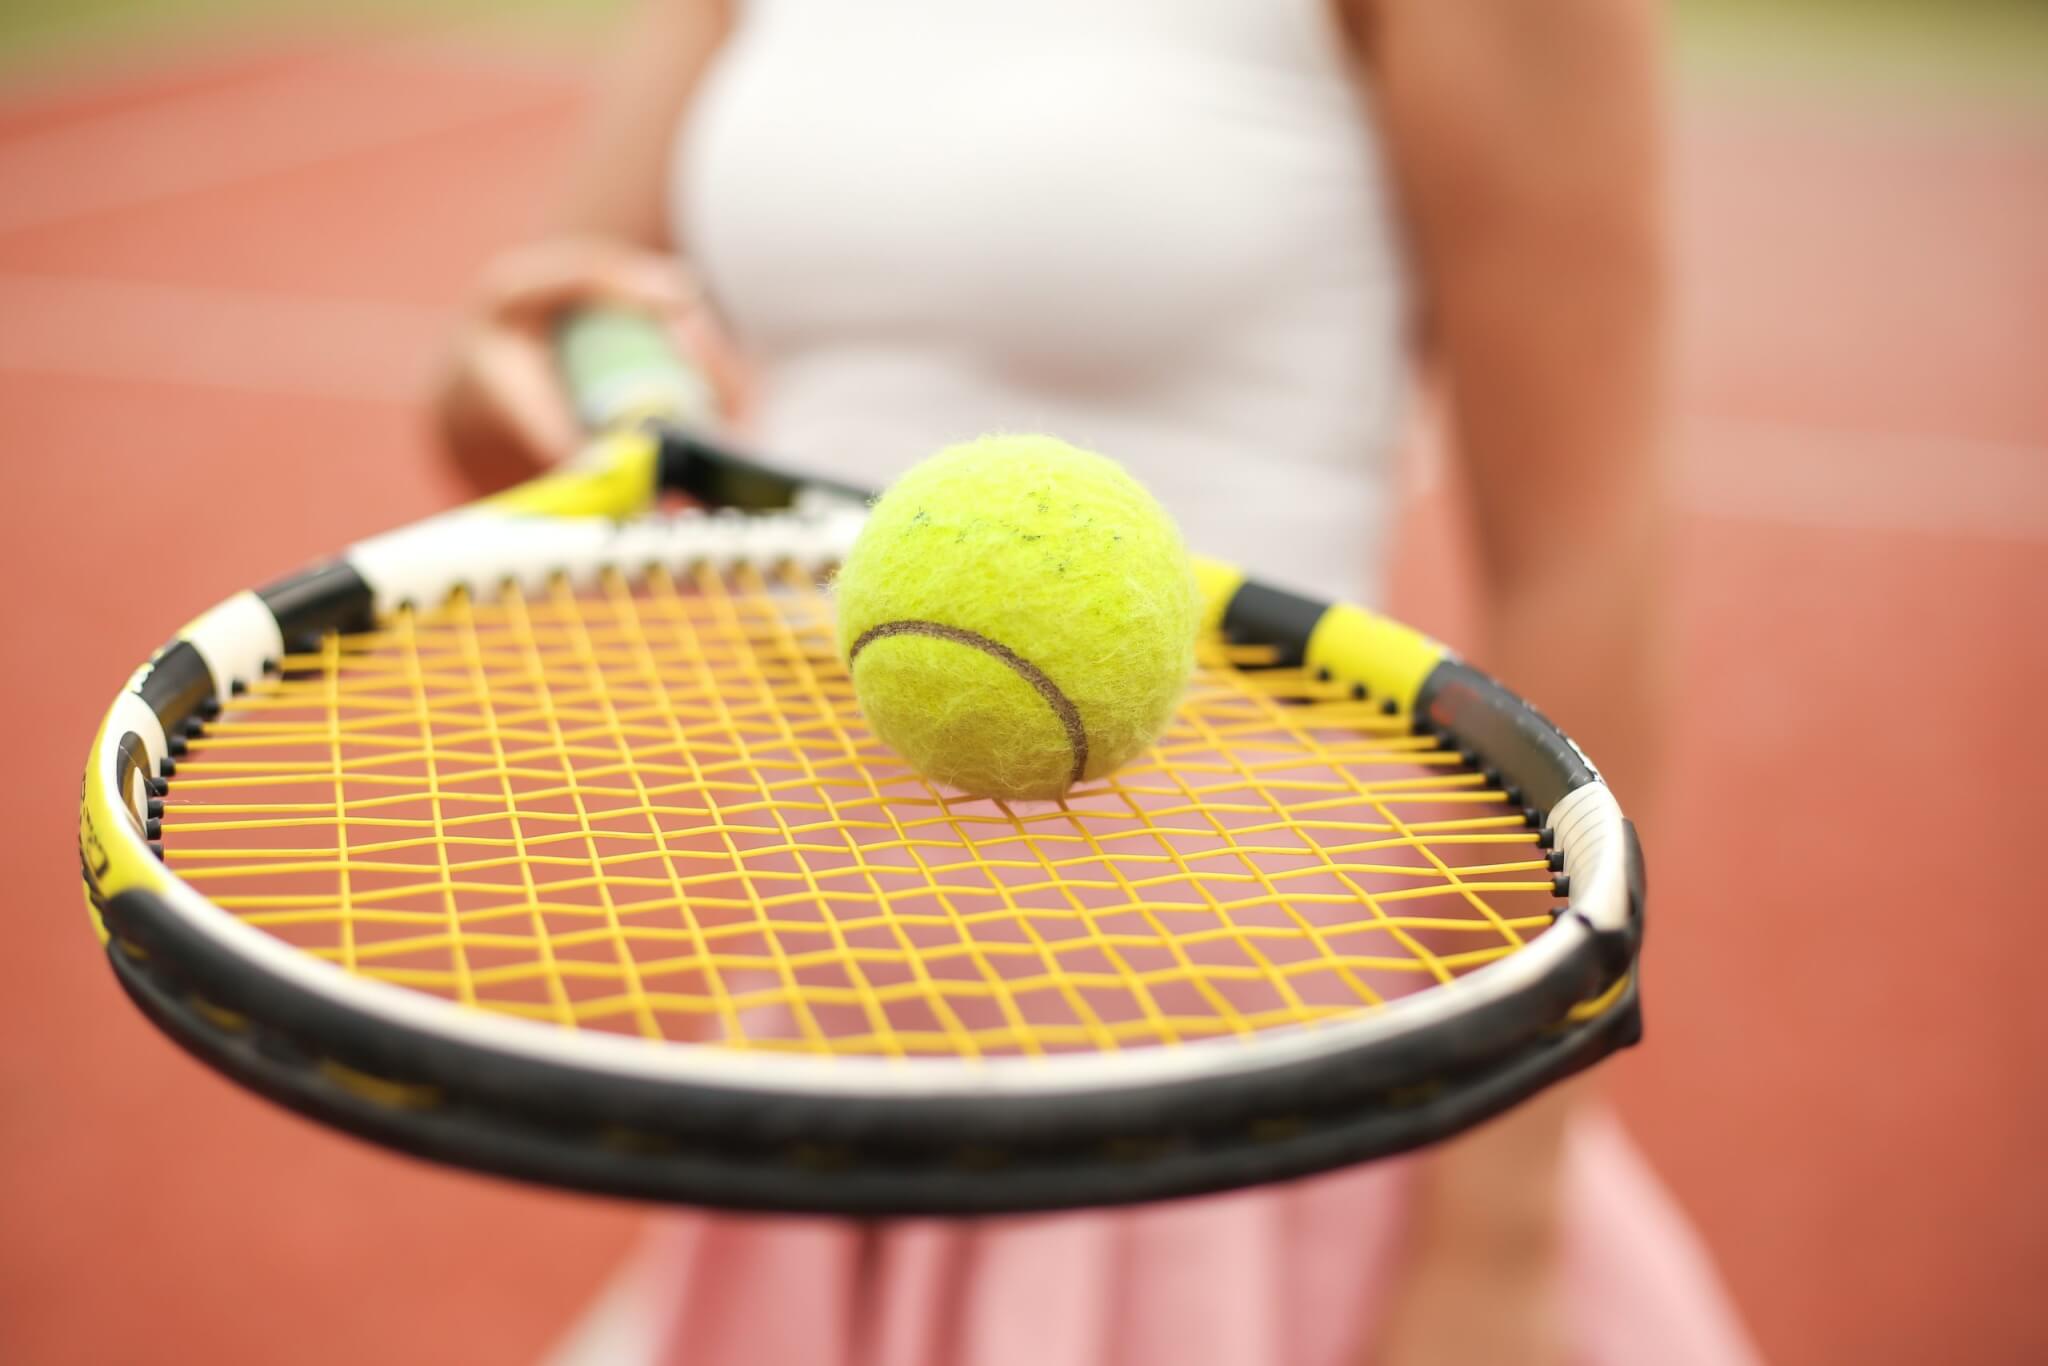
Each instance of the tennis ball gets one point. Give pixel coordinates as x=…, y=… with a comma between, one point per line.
x=1018, y=615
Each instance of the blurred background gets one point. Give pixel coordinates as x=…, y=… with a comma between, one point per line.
x=232, y=233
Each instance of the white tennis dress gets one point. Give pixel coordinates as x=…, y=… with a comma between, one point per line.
x=1157, y=228
x=1160, y=229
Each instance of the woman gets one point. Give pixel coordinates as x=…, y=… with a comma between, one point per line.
x=1198, y=235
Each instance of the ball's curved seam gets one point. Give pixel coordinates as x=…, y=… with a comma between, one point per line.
x=1062, y=706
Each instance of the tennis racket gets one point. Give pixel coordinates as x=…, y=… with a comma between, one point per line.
x=544, y=837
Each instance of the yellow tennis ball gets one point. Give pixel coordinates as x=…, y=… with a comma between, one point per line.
x=1018, y=615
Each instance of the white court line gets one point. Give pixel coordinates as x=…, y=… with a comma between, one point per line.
x=241, y=341
x=311, y=112
x=1825, y=475
x=1802, y=474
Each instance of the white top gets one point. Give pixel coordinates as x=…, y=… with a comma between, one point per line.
x=1159, y=229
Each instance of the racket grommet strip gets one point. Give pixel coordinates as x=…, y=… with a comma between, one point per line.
x=308, y=604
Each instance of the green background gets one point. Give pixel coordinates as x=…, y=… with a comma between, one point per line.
x=1970, y=45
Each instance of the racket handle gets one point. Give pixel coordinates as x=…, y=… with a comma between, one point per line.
x=622, y=366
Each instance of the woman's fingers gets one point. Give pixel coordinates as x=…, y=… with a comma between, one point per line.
x=504, y=412
x=706, y=345
x=532, y=286
x=517, y=380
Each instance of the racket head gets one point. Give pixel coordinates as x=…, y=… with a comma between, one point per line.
x=235, y=958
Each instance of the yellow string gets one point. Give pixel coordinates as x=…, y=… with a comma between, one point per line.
x=651, y=807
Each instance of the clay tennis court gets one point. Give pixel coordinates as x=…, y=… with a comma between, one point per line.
x=222, y=282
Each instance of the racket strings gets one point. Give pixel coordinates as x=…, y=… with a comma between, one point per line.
x=650, y=806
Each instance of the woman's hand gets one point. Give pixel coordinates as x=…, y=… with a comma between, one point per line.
x=503, y=412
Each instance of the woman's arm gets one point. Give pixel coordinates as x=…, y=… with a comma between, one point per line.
x=1529, y=145
x=1528, y=142
x=618, y=185
x=502, y=412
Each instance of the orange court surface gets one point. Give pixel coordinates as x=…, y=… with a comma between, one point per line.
x=224, y=276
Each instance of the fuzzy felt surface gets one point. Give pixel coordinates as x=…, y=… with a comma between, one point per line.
x=1018, y=615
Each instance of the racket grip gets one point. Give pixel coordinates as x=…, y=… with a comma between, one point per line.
x=622, y=366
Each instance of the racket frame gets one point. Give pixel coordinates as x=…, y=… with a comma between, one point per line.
x=707, y=1125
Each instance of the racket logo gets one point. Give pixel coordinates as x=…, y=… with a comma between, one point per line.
x=92, y=855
